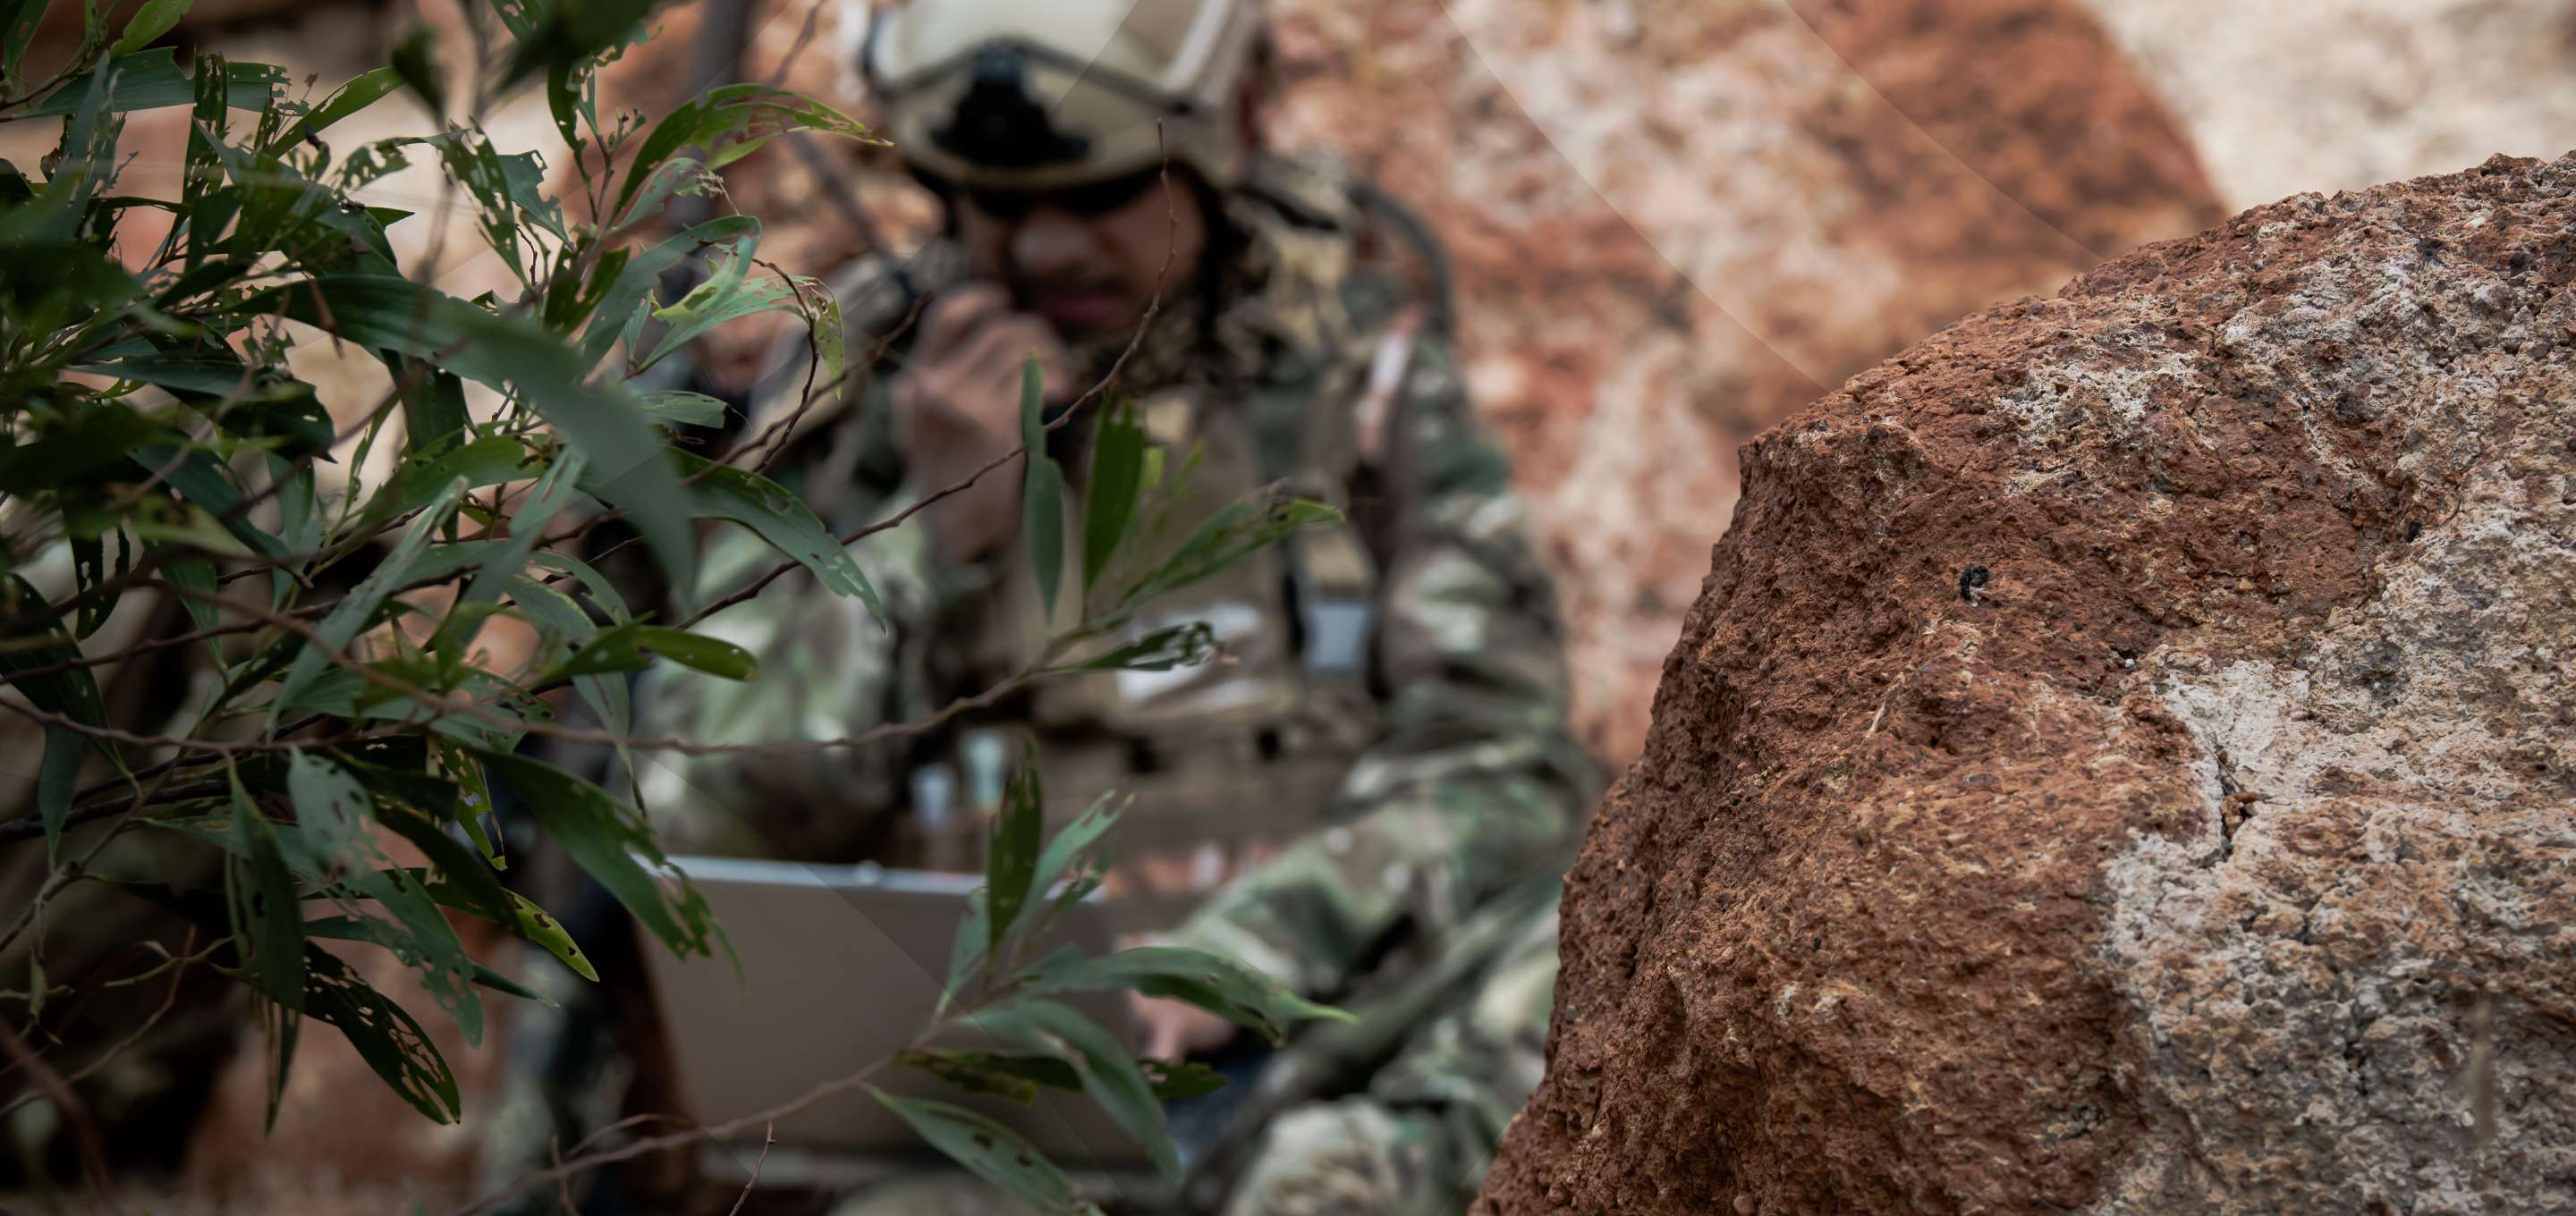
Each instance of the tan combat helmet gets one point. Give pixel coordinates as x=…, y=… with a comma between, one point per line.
x=1038, y=95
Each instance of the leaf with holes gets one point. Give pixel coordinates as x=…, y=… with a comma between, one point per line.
x=335, y=830
x=990, y=1151
x=783, y=520
x=1219, y=985
x=1108, y=1073
x=984, y=1073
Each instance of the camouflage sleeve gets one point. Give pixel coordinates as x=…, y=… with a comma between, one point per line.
x=1476, y=780
x=828, y=668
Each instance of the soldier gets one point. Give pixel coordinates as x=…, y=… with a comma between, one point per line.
x=1380, y=763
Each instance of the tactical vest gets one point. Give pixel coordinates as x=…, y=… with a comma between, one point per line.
x=1223, y=759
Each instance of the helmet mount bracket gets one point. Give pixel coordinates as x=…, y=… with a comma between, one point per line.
x=998, y=123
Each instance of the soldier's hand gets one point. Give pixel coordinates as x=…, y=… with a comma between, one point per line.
x=1177, y=1030
x=957, y=406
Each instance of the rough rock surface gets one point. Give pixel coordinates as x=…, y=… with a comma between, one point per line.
x=2123, y=760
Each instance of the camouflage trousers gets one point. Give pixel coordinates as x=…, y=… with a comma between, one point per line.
x=1416, y=1142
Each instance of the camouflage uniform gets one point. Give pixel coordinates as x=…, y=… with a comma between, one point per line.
x=1462, y=784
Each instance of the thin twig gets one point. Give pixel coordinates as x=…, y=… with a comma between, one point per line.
x=75, y=1113
x=1153, y=308
x=216, y=747
x=179, y=970
x=678, y=1139
x=767, y=1138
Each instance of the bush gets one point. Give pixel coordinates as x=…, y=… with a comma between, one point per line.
x=157, y=434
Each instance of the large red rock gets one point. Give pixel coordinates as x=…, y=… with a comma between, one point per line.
x=2123, y=760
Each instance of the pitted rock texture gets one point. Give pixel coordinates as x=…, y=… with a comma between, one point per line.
x=2123, y=760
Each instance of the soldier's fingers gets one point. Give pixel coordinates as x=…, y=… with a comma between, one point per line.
x=998, y=354
x=1163, y=1042
x=958, y=314
x=1056, y=364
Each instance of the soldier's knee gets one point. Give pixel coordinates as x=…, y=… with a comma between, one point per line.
x=1353, y=1156
x=940, y=1194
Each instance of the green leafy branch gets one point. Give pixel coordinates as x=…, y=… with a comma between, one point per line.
x=155, y=443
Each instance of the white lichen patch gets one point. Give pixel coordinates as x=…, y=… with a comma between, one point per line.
x=2390, y=849
x=2094, y=389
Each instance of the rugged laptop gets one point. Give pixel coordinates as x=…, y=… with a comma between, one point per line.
x=842, y=965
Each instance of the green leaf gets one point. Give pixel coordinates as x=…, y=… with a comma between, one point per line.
x=333, y=823
x=18, y=20
x=606, y=838
x=74, y=450
x=151, y=80
x=1109, y=1074
x=423, y=478
x=155, y=18
x=356, y=609
x=680, y=177
x=624, y=647
x=385, y=1036
x=1176, y=1080
x=508, y=191
x=195, y=573
x=1010, y=1078
x=570, y=33
x=1077, y=839
x=1221, y=986
x=89, y=569
x=621, y=289
x=393, y=937
x=626, y=461
x=196, y=371
x=968, y=949
x=560, y=622
x=433, y=401
x=54, y=783
x=497, y=568
x=1117, y=479
x=1183, y=645
x=460, y=877
x=783, y=520
x=47, y=285
x=684, y=408
x=415, y=63
x=1042, y=491
x=726, y=295
x=991, y=1151
x=1234, y=532
x=1012, y=860
x=730, y=123
x=537, y=925
x=361, y=91
x=37, y=641
x=200, y=478
x=1067, y=859
x=268, y=932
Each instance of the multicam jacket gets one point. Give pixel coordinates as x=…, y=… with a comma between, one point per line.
x=1450, y=776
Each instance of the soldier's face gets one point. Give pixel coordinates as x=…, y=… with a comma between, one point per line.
x=1087, y=259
